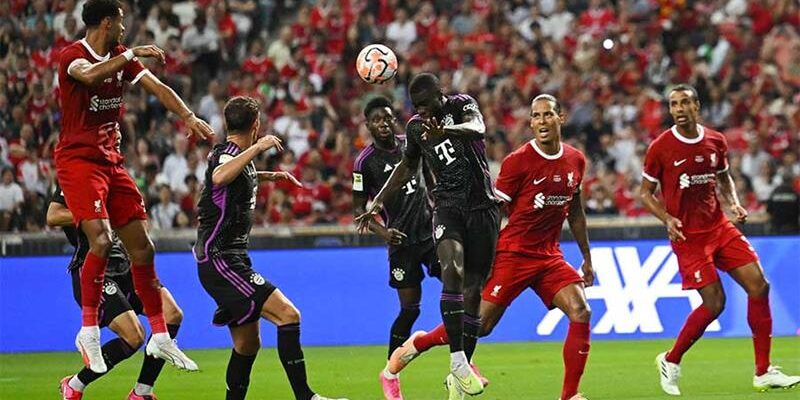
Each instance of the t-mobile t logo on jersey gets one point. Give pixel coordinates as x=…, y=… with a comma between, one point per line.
x=445, y=151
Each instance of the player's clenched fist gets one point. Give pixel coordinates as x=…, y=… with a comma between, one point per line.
x=149, y=51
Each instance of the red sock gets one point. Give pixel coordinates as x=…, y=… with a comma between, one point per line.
x=576, y=351
x=694, y=327
x=759, y=318
x=92, y=275
x=148, y=289
x=436, y=337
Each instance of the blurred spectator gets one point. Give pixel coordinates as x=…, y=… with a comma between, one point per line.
x=175, y=165
x=783, y=207
x=402, y=31
x=600, y=202
x=11, y=199
x=164, y=212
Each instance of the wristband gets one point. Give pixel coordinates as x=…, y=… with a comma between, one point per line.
x=128, y=54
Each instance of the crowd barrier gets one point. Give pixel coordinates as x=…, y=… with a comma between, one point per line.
x=344, y=297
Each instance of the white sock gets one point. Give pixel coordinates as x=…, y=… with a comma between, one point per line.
x=459, y=364
x=389, y=375
x=76, y=383
x=90, y=330
x=143, y=390
x=161, y=337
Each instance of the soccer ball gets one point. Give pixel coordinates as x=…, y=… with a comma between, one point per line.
x=376, y=63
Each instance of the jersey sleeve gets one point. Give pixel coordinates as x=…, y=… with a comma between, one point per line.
x=722, y=165
x=413, y=133
x=652, y=165
x=134, y=70
x=360, y=172
x=510, y=179
x=469, y=109
x=69, y=57
x=58, y=195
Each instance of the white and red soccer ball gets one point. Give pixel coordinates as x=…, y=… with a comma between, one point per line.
x=376, y=63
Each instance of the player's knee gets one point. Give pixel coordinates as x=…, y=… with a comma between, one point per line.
x=144, y=253
x=760, y=289
x=580, y=312
x=487, y=326
x=289, y=314
x=248, y=346
x=716, y=305
x=101, y=244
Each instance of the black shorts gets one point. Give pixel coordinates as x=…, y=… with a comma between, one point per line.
x=238, y=290
x=118, y=296
x=406, y=264
x=476, y=230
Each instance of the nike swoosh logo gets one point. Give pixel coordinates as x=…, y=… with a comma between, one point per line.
x=677, y=163
x=538, y=181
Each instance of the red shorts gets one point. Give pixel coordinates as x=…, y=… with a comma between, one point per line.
x=702, y=253
x=513, y=272
x=99, y=191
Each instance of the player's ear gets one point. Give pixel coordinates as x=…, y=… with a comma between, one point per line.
x=562, y=116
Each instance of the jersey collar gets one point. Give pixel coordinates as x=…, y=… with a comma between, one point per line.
x=545, y=155
x=92, y=52
x=684, y=139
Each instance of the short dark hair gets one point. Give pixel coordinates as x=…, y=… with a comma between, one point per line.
x=95, y=10
x=685, y=87
x=423, y=82
x=376, y=102
x=240, y=113
x=550, y=98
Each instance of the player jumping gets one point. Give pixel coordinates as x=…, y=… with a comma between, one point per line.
x=242, y=295
x=688, y=161
x=407, y=217
x=540, y=183
x=448, y=131
x=118, y=309
x=100, y=193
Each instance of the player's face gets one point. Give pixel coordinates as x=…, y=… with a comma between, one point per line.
x=381, y=124
x=683, y=107
x=116, y=30
x=256, y=128
x=545, y=121
x=428, y=103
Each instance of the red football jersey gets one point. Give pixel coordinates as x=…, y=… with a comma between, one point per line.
x=90, y=115
x=687, y=171
x=539, y=188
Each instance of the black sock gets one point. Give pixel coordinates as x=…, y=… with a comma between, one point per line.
x=471, y=326
x=401, y=328
x=114, y=351
x=238, y=375
x=151, y=366
x=451, y=306
x=291, y=355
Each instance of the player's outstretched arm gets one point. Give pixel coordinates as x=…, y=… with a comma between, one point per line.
x=58, y=215
x=172, y=102
x=391, y=235
x=92, y=74
x=227, y=171
x=278, y=176
x=398, y=178
x=577, y=225
x=727, y=190
x=647, y=193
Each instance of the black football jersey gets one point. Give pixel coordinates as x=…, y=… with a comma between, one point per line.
x=225, y=212
x=458, y=162
x=408, y=210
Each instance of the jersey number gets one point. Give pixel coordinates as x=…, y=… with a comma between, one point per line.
x=445, y=151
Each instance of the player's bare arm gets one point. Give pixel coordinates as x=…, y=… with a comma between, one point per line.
x=93, y=74
x=727, y=190
x=391, y=236
x=401, y=174
x=577, y=225
x=647, y=193
x=58, y=215
x=225, y=173
x=274, y=176
x=172, y=102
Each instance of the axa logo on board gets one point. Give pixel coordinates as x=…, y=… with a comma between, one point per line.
x=630, y=287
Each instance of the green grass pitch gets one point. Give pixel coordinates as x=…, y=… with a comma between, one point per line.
x=713, y=369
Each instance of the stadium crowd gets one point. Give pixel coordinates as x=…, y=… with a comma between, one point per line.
x=608, y=61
